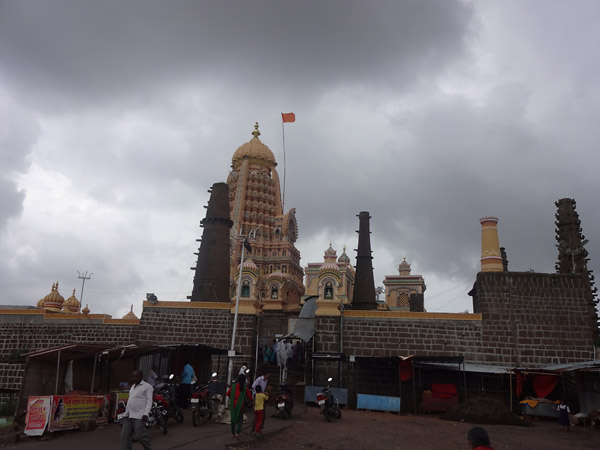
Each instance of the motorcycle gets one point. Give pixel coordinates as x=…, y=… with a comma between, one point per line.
x=164, y=397
x=202, y=403
x=284, y=401
x=154, y=418
x=328, y=403
x=157, y=417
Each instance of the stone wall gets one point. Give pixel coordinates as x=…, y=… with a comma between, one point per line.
x=385, y=334
x=11, y=375
x=18, y=338
x=209, y=324
x=534, y=319
x=522, y=319
x=23, y=333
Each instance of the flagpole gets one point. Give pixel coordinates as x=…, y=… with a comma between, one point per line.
x=283, y=134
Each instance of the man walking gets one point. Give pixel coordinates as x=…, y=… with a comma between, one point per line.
x=136, y=412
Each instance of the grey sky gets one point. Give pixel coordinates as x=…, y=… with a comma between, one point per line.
x=118, y=116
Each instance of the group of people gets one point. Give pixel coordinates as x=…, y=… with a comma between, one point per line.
x=241, y=396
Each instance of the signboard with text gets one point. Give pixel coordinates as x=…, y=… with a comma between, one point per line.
x=38, y=412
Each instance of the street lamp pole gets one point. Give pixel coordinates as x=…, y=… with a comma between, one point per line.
x=231, y=353
x=83, y=277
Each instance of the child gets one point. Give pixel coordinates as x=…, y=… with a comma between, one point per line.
x=563, y=415
x=259, y=409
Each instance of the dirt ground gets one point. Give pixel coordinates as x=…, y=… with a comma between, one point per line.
x=309, y=430
x=377, y=430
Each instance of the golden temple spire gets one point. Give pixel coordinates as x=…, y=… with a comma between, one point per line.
x=256, y=133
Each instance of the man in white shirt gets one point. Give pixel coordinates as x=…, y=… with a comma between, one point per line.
x=136, y=412
x=262, y=382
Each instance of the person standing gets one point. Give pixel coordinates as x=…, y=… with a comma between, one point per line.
x=259, y=409
x=187, y=377
x=152, y=376
x=564, y=420
x=238, y=393
x=262, y=382
x=478, y=439
x=136, y=412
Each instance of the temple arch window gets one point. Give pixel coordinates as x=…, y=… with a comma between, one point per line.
x=245, y=288
x=274, y=292
x=328, y=290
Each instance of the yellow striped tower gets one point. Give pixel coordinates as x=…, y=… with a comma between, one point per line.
x=491, y=259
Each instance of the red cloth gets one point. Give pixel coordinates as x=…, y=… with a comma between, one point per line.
x=259, y=416
x=405, y=368
x=544, y=384
x=483, y=447
x=443, y=390
x=520, y=381
x=288, y=117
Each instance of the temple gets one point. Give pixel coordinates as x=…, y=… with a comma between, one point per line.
x=331, y=282
x=404, y=292
x=332, y=325
x=271, y=275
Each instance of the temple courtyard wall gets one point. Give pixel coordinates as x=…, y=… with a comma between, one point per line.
x=521, y=320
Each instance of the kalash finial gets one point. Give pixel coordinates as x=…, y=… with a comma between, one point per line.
x=256, y=133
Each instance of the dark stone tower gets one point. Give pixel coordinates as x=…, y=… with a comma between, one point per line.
x=364, y=286
x=211, y=281
x=572, y=255
x=504, y=259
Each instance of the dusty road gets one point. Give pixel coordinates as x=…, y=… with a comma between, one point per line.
x=356, y=430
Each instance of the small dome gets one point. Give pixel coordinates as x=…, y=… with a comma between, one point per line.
x=249, y=265
x=277, y=274
x=330, y=252
x=404, y=268
x=254, y=149
x=130, y=315
x=72, y=304
x=343, y=257
x=329, y=266
x=53, y=300
x=86, y=310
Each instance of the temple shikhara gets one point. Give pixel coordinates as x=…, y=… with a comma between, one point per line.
x=272, y=275
x=305, y=323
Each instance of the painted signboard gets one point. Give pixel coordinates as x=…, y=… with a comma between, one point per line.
x=38, y=412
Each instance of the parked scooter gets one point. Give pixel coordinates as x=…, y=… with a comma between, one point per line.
x=165, y=395
x=202, y=403
x=328, y=403
x=284, y=401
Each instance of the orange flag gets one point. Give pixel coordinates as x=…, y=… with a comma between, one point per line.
x=288, y=117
